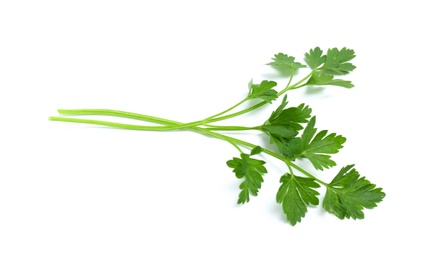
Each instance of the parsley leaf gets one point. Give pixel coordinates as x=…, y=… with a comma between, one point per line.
x=286, y=123
x=316, y=147
x=256, y=150
x=251, y=170
x=336, y=62
x=263, y=90
x=295, y=194
x=326, y=79
x=284, y=62
x=348, y=194
x=314, y=58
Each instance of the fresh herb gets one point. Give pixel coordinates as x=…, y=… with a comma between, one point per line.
x=291, y=130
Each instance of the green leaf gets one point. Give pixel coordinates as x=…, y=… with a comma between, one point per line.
x=348, y=194
x=284, y=62
x=326, y=79
x=286, y=123
x=256, y=150
x=295, y=194
x=263, y=90
x=336, y=62
x=314, y=58
x=251, y=171
x=280, y=108
x=282, y=145
x=316, y=147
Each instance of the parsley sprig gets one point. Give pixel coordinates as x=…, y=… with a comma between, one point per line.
x=292, y=132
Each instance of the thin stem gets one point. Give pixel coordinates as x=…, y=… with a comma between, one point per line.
x=241, y=112
x=275, y=155
x=223, y=112
x=229, y=128
x=294, y=86
x=233, y=141
x=174, y=125
x=218, y=136
x=109, y=112
x=107, y=123
x=289, y=167
x=169, y=124
x=291, y=79
x=249, y=109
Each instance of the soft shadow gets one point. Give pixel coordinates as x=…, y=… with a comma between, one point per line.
x=312, y=90
x=280, y=72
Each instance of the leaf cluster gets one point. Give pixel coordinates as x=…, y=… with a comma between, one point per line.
x=286, y=63
x=346, y=196
x=263, y=91
x=349, y=193
x=285, y=123
x=292, y=130
x=283, y=128
x=326, y=66
x=316, y=146
x=251, y=171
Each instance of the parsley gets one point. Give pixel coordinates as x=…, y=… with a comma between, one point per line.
x=264, y=91
x=292, y=132
x=348, y=194
x=284, y=62
x=295, y=194
x=316, y=147
x=251, y=170
x=334, y=63
x=286, y=123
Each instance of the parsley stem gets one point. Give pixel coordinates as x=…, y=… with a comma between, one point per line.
x=139, y=127
x=269, y=152
x=168, y=124
x=105, y=123
x=289, y=167
x=123, y=114
x=249, y=109
x=291, y=78
x=241, y=112
x=223, y=112
x=174, y=125
x=233, y=141
x=296, y=85
x=229, y=128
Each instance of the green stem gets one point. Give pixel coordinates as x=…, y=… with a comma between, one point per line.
x=230, y=128
x=249, y=109
x=168, y=124
x=117, y=113
x=296, y=85
x=216, y=135
x=291, y=78
x=175, y=125
x=275, y=155
x=223, y=112
x=233, y=141
x=107, y=123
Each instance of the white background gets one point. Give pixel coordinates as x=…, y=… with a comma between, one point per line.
x=80, y=192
